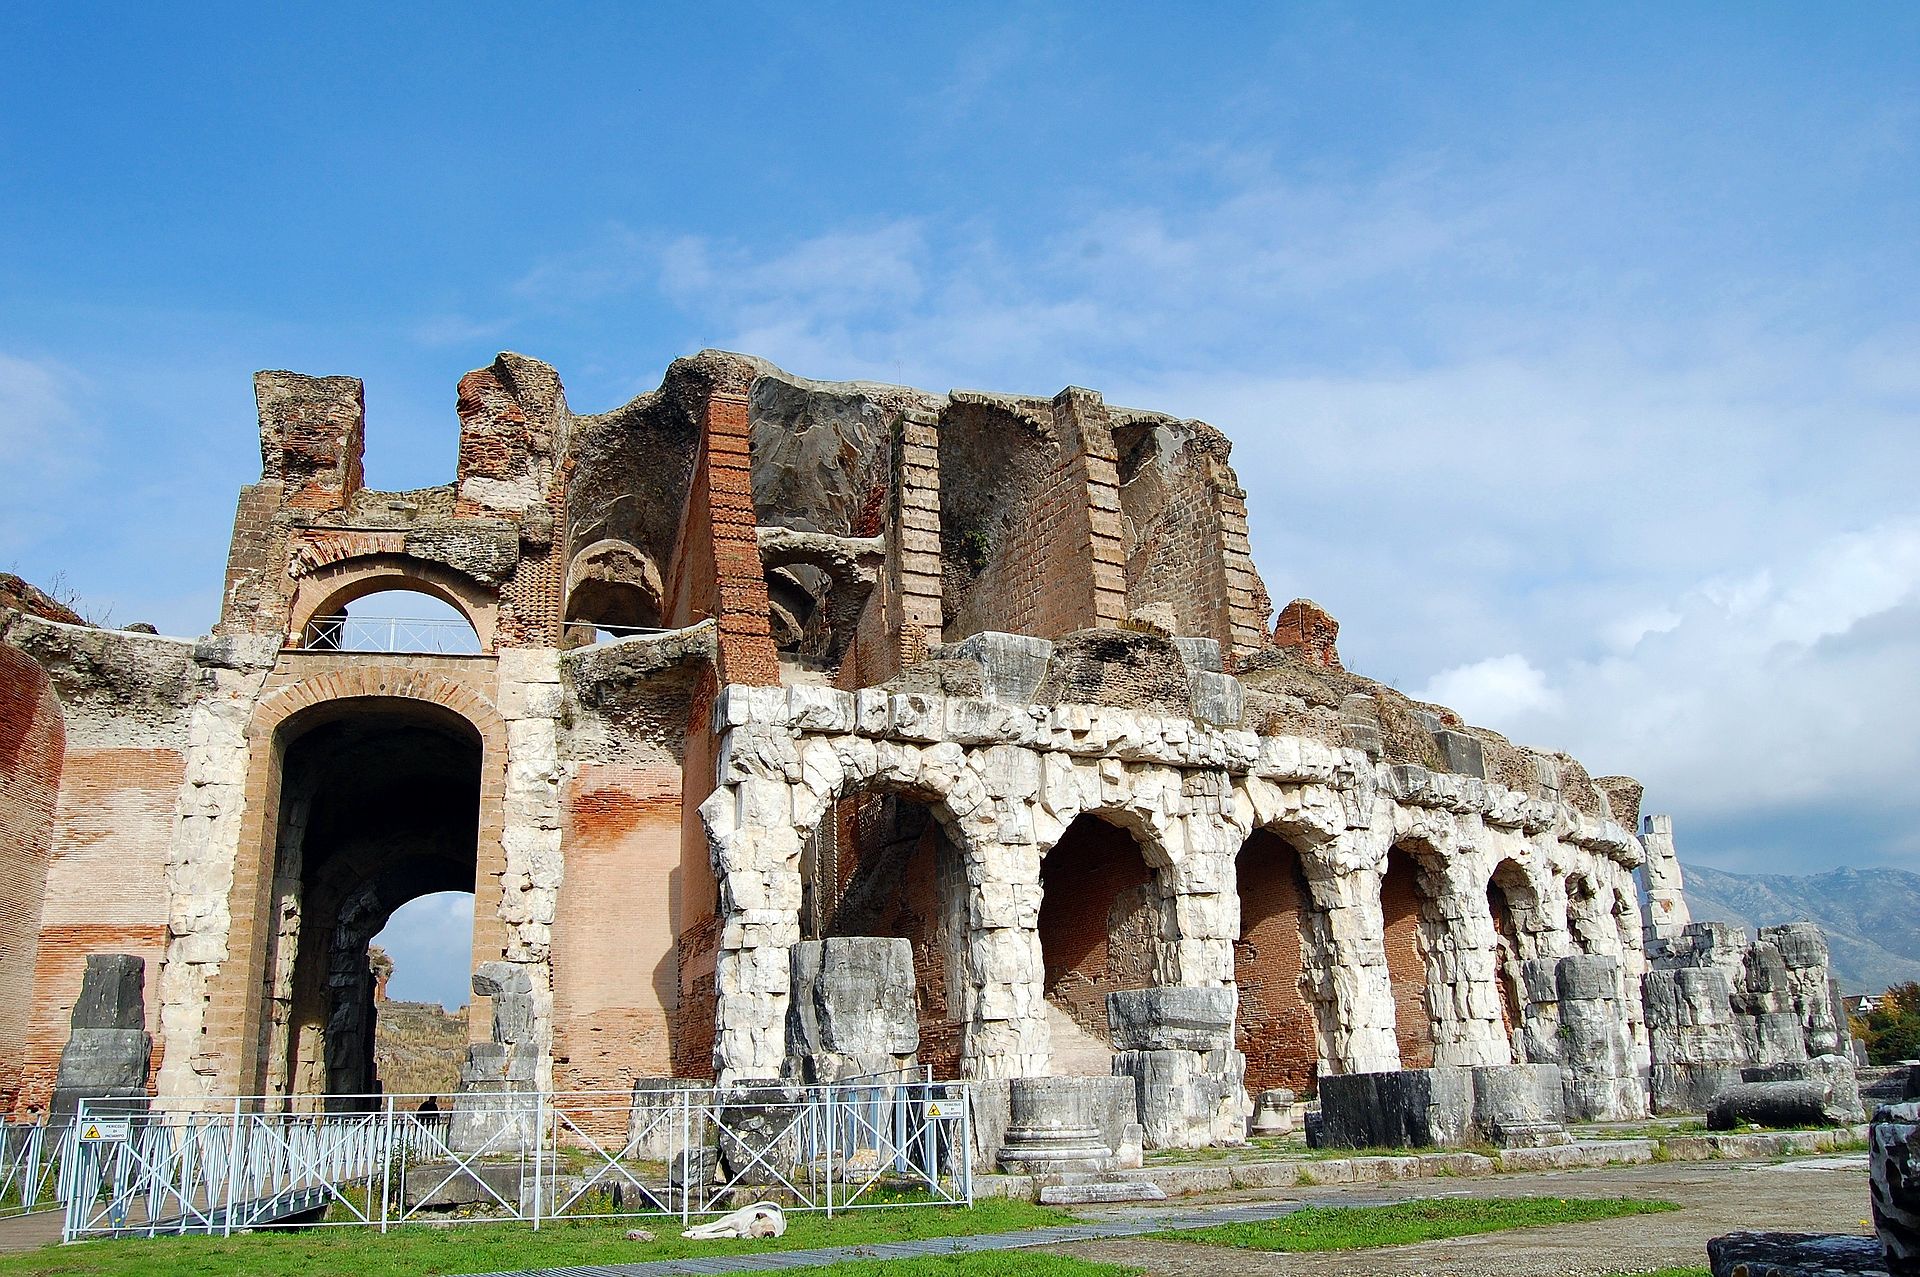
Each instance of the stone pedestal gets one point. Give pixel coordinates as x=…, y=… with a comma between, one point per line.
x=1176, y=1043
x=108, y=1048
x=1273, y=1112
x=852, y=1013
x=1052, y=1128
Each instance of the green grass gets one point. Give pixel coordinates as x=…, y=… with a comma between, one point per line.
x=1023, y=1263
x=418, y=1249
x=1359, y=1227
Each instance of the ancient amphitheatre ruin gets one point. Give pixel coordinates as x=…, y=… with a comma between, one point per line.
x=761, y=661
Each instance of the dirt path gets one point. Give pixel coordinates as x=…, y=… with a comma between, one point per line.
x=1823, y=1195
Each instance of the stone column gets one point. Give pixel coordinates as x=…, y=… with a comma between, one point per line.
x=530, y=698
x=1352, y=974
x=757, y=864
x=1006, y=1032
x=1461, y=978
x=1667, y=910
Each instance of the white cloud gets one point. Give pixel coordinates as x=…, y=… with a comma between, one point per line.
x=1795, y=684
x=430, y=940
x=1497, y=689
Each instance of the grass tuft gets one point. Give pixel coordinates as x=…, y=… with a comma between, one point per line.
x=1359, y=1227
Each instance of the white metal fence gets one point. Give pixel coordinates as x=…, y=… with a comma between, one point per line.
x=533, y=1157
x=390, y=634
x=30, y=1163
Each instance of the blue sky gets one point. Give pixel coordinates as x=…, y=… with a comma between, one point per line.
x=1569, y=351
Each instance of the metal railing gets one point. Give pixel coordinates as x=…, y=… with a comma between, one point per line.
x=30, y=1161
x=582, y=633
x=440, y=635
x=531, y=1156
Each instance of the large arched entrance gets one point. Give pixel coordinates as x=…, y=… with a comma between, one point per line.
x=1275, y=1027
x=1101, y=928
x=379, y=805
x=1410, y=928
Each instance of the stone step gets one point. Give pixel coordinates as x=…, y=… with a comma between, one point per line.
x=1075, y=1052
x=1096, y=1192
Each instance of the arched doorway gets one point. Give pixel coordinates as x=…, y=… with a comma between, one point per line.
x=1408, y=934
x=1101, y=926
x=379, y=805
x=1275, y=1026
x=880, y=864
x=1515, y=908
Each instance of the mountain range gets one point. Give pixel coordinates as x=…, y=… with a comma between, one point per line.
x=1871, y=916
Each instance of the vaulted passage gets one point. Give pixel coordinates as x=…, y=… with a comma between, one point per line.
x=1100, y=929
x=1409, y=945
x=379, y=805
x=879, y=864
x=1275, y=1026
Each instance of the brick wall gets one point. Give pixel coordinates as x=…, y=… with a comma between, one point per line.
x=1275, y=1028
x=106, y=889
x=1406, y=961
x=1099, y=920
x=32, y=745
x=716, y=566
x=615, y=966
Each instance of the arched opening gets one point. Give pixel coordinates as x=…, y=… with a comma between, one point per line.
x=392, y=620
x=880, y=864
x=379, y=806
x=1410, y=934
x=1101, y=925
x=613, y=590
x=1276, y=1025
x=422, y=963
x=1515, y=907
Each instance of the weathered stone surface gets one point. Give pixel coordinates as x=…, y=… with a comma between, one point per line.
x=852, y=1012
x=1795, y=1255
x=1774, y=1104
x=1893, y=1164
x=1171, y=1018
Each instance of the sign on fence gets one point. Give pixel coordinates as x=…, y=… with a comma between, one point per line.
x=97, y=1131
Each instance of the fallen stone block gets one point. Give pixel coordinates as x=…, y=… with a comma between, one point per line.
x=1775, y=1104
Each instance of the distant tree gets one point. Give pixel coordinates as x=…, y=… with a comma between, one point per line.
x=1892, y=1029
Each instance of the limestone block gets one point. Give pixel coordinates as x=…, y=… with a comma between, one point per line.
x=852, y=1010
x=1052, y=1128
x=1171, y=1018
x=1786, y=1103
x=1012, y=666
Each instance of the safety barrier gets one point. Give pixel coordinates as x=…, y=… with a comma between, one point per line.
x=531, y=1156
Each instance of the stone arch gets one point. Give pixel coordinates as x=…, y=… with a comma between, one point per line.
x=1413, y=934
x=329, y=588
x=1514, y=903
x=612, y=584
x=1105, y=924
x=817, y=588
x=241, y=1026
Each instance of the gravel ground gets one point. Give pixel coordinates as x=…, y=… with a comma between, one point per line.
x=1817, y=1195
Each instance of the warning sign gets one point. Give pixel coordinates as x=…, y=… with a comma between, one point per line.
x=98, y=1131
x=933, y=1110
